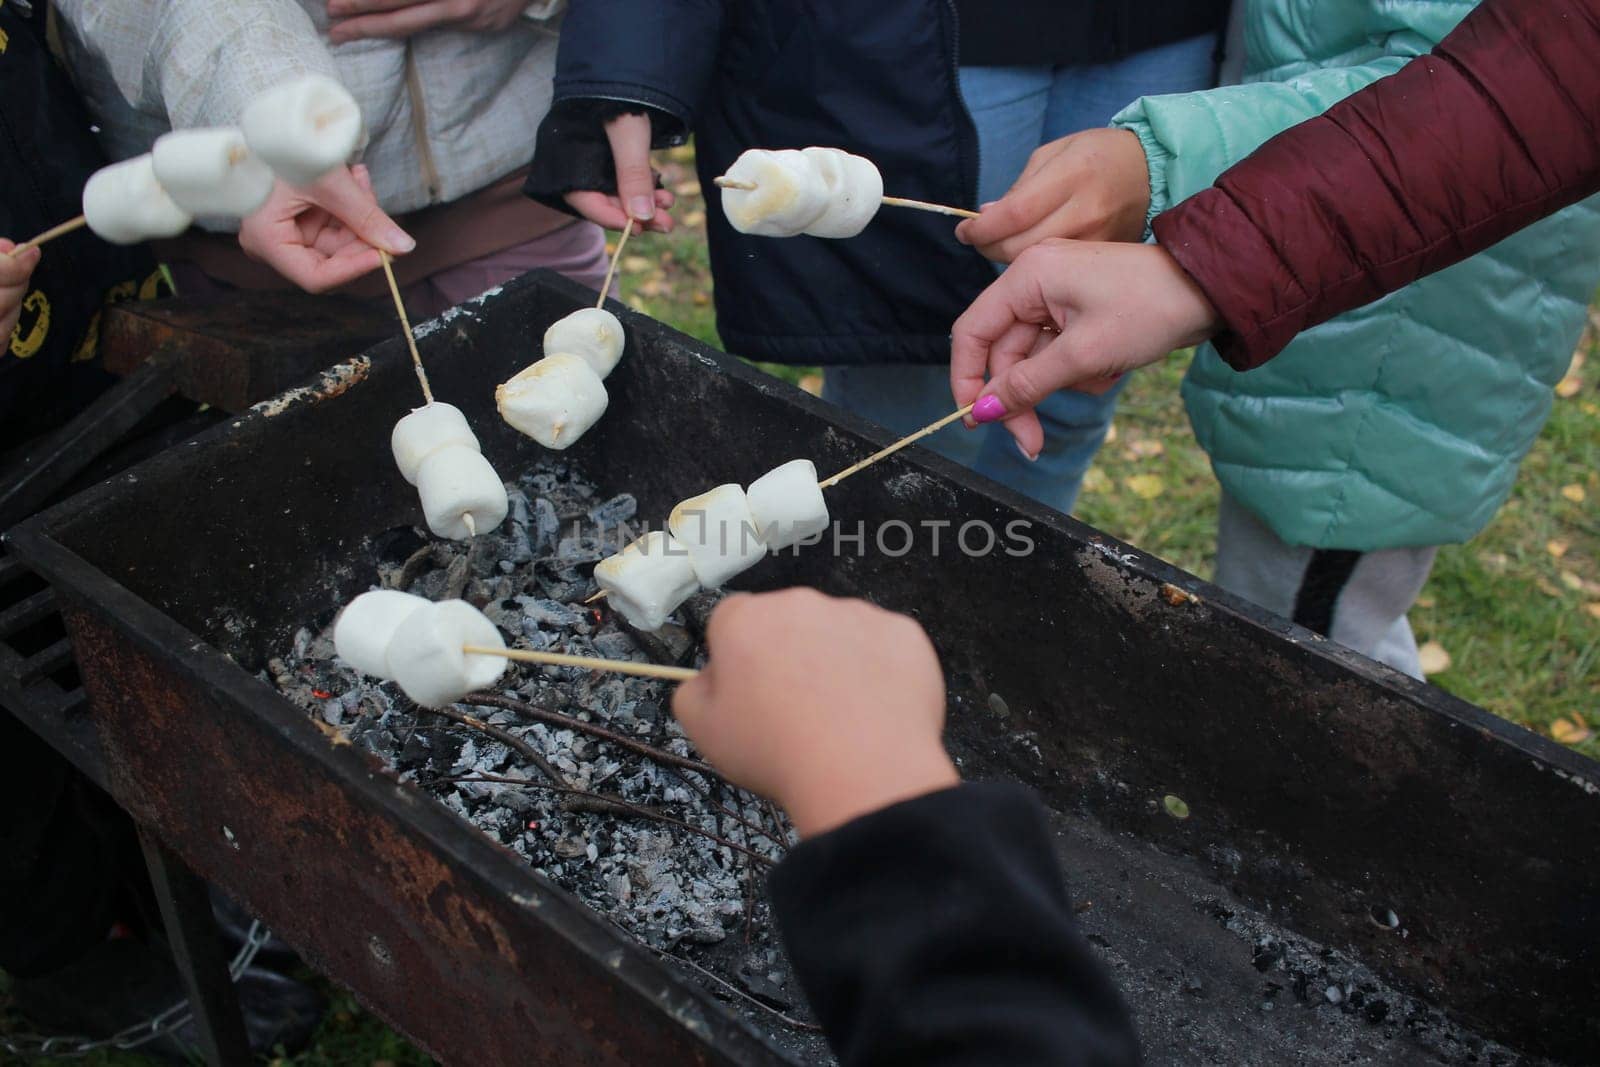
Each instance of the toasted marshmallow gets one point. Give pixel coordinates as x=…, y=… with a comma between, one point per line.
x=426, y=658
x=462, y=496
x=593, y=333
x=789, y=194
x=855, y=192
x=719, y=532
x=125, y=204
x=303, y=128
x=787, y=504
x=211, y=172
x=554, y=401
x=426, y=430
x=648, y=580
x=365, y=627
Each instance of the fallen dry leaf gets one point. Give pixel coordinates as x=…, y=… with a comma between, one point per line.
x=812, y=383
x=1570, y=730
x=636, y=264
x=695, y=219
x=1573, y=492
x=702, y=299
x=1548, y=588
x=1145, y=448
x=1433, y=658
x=1426, y=602
x=1591, y=408
x=1494, y=561
x=1571, y=580
x=690, y=188
x=1095, y=481
x=1556, y=547
x=1146, y=486
x=1593, y=609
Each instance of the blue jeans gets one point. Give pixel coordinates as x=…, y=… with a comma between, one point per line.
x=1017, y=109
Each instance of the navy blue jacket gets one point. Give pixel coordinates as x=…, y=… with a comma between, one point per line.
x=874, y=77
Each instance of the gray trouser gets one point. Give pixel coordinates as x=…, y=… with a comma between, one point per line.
x=1358, y=599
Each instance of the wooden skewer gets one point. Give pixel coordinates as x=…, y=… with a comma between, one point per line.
x=559, y=659
x=411, y=341
x=890, y=450
x=611, y=271
x=51, y=234
x=889, y=201
x=882, y=453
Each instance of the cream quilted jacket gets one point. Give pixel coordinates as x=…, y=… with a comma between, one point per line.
x=447, y=112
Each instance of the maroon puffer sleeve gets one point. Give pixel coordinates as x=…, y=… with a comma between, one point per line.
x=1497, y=128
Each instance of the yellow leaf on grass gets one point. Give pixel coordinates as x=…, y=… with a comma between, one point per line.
x=1111, y=433
x=1571, y=580
x=812, y=383
x=1146, y=486
x=1433, y=658
x=1556, y=547
x=1145, y=448
x=695, y=219
x=636, y=264
x=1570, y=730
x=1591, y=408
x=1427, y=602
x=1095, y=481
x=1569, y=387
x=1494, y=561
x=690, y=188
x=1548, y=588
x=1573, y=492
x=1593, y=609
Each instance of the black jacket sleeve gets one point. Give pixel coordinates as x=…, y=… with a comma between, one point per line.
x=939, y=932
x=652, y=57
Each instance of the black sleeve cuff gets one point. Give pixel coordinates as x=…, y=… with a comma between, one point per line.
x=572, y=152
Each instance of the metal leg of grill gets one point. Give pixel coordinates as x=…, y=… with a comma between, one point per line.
x=197, y=949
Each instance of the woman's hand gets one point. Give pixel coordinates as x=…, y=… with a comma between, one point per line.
x=353, y=20
x=833, y=708
x=15, y=271
x=326, y=234
x=1070, y=315
x=636, y=196
x=1091, y=186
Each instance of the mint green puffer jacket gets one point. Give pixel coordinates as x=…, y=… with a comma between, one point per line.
x=1403, y=423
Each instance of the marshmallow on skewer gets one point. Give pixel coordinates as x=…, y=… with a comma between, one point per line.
x=787, y=504
x=648, y=579
x=211, y=171
x=855, y=192
x=426, y=653
x=303, y=128
x=426, y=430
x=125, y=204
x=362, y=633
x=719, y=532
x=462, y=496
x=789, y=193
x=554, y=401
x=593, y=333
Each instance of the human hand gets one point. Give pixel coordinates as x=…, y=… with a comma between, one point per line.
x=15, y=271
x=636, y=196
x=354, y=20
x=831, y=707
x=1112, y=307
x=323, y=235
x=1090, y=186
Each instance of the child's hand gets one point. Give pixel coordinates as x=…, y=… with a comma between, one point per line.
x=831, y=707
x=323, y=235
x=14, y=275
x=1114, y=307
x=1091, y=186
x=636, y=195
x=353, y=20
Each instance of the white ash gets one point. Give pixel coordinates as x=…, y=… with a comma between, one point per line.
x=675, y=891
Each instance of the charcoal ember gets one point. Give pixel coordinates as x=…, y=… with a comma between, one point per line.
x=614, y=512
x=560, y=581
x=544, y=527
x=543, y=613
x=614, y=644
x=762, y=980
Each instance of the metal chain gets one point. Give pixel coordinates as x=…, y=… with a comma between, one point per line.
x=31, y=1046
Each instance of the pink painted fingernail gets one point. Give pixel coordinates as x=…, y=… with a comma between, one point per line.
x=988, y=409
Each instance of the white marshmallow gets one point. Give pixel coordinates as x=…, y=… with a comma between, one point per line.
x=426, y=657
x=789, y=194
x=211, y=171
x=648, y=579
x=593, y=333
x=461, y=494
x=303, y=128
x=855, y=192
x=719, y=532
x=362, y=633
x=125, y=204
x=426, y=430
x=554, y=401
x=787, y=504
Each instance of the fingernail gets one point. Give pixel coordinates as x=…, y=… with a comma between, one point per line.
x=987, y=204
x=400, y=241
x=1031, y=458
x=642, y=208
x=988, y=409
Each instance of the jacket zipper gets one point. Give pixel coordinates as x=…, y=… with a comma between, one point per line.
x=419, y=126
x=969, y=139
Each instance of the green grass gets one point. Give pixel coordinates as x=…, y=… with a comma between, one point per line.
x=1517, y=609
